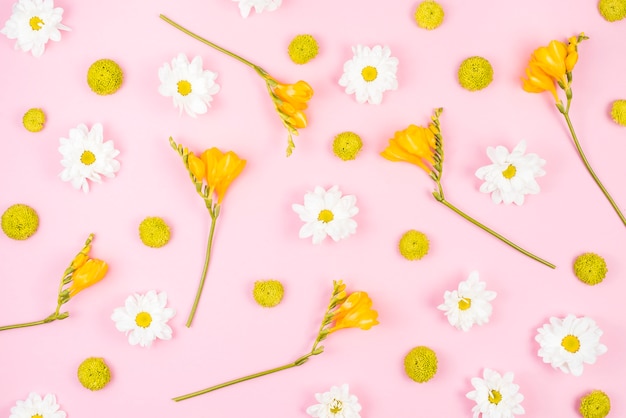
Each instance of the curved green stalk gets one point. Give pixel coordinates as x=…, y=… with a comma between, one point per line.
x=300, y=361
x=214, y=214
x=256, y=68
x=565, y=113
x=495, y=234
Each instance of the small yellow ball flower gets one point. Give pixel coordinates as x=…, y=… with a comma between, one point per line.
x=414, y=245
x=20, y=222
x=595, y=404
x=302, y=49
x=618, y=111
x=105, y=77
x=34, y=119
x=429, y=15
x=590, y=268
x=475, y=73
x=347, y=145
x=612, y=10
x=268, y=293
x=93, y=373
x=154, y=232
x=421, y=364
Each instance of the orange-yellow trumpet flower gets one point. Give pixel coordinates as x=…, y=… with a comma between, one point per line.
x=212, y=174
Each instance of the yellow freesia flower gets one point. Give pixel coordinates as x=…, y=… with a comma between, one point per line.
x=423, y=146
x=212, y=174
x=538, y=81
x=355, y=312
x=81, y=273
x=551, y=59
x=88, y=274
x=415, y=145
x=290, y=100
x=344, y=311
x=553, y=65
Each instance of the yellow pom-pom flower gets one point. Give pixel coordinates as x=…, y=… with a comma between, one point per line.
x=429, y=15
x=303, y=48
x=595, y=404
x=34, y=119
x=347, y=145
x=475, y=73
x=20, y=221
x=612, y=10
x=105, y=77
x=618, y=112
x=414, y=245
x=93, y=373
x=154, y=232
x=420, y=364
x=268, y=293
x=590, y=268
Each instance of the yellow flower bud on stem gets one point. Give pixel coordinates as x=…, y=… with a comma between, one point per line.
x=345, y=311
x=80, y=274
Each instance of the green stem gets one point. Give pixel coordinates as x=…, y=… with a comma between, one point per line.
x=296, y=363
x=494, y=233
x=207, y=258
x=256, y=68
x=25, y=324
x=588, y=166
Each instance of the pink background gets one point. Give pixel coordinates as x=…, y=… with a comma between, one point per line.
x=257, y=233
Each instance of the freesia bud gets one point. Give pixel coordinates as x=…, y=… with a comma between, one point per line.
x=355, y=312
x=91, y=272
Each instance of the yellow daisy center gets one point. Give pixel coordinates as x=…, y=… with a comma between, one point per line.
x=88, y=158
x=36, y=23
x=37, y=416
x=571, y=343
x=510, y=171
x=184, y=87
x=369, y=73
x=336, y=406
x=465, y=304
x=325, y=216
x=495, y=397
x=143, y=319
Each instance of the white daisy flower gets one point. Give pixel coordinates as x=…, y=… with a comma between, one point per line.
x=86, y=156
x=35, y=406
x=144, y=318
x=370, y=73
x=259, y=5
x=327, y=212
x=569, y=342
x=469, y=304
x=512, y=175
x=496, y=396
x=188, y=84
x=337, y=403
x=33, y=23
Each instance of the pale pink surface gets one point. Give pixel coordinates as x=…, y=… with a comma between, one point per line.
x=256, y=236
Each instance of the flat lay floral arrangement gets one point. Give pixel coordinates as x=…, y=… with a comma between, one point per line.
x=123, y=123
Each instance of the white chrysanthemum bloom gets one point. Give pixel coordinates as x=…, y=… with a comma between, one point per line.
x=469, y=304
x=144, y=318
x=337, y=403
x=33, y=23
x=189, y=85
x=327, y=212
x=567, y=343
x=370, y=73
x=86, y=156
x=512, y=175
x=35, y=406
x=245, y=6
x=496, y=396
